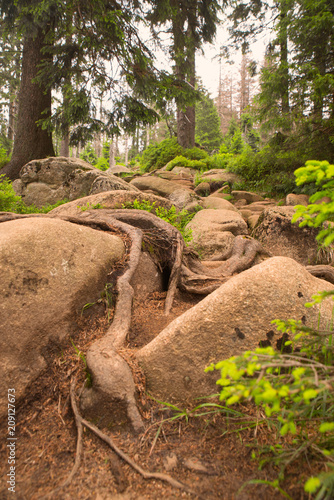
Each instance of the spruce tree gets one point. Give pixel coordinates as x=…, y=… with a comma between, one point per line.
x=191, y=23
x=208, y=133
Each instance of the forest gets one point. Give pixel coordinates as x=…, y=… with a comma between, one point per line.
x=104, y=138
x=76, y=77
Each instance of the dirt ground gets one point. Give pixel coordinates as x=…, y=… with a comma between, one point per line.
x=203, y=453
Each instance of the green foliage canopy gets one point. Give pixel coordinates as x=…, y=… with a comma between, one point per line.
x=207, y=131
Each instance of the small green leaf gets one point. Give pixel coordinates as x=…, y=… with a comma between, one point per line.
x=312, y=484
x=310, y=394
x=326, y=427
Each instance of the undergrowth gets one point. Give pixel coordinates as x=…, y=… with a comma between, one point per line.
x=178, y=219
x=10, y=202
x=295, y=390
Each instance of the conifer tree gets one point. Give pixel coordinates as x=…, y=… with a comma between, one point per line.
x=192, y=22
x=75, y=57
x=208, y=133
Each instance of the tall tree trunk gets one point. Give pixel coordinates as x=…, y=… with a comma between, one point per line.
x=283, y=41
x=12, y=116
x=184, y=58
x=112, y=152
x=34, y=103
x=126, y=146
x=65, y=144
x=186, y=71
x=65, y=127
x=186, y=118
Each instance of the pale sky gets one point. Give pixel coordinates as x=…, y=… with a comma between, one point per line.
x=207, y=67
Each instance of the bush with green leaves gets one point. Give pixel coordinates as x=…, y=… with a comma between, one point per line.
x=295, y=387
x=178, y=161
x=102, y=163
x=10, y=202
x=320, y=173
x=270, y=170
x=220, y=160
x=4, y=159
x=158, y=155
x=168, y=150
x=89, y=155
x=195, y=154
x=178, y=219
x=8, y=197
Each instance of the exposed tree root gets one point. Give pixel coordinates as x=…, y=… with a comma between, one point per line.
x=168, y=250
x=111, y=376
x=80, y=423
x=167, y=243
x=324, y=272
x=186, y=272
x=198, y=278
x=122, y=316
x=242, y=255
x=79, y=447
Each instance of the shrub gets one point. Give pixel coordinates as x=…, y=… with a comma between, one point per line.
x=198, y=164
x=4, y=159
x=220, y=160
x=10, y=202
x=195, y=154
x=8, y=197
x=182, y=161
x=314, y=215
x=295, y=389
x=158, y=155
x=269, y=170
x=178, y=219
x=102, y=163
x=178, y=161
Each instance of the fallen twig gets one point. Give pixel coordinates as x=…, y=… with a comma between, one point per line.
x=79, y=444
x=80, y=422
x=145, y=474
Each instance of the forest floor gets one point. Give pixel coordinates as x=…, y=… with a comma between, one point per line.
x=205, y=453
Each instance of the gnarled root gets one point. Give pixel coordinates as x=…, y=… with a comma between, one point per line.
x=323, y=272
x=200, y=279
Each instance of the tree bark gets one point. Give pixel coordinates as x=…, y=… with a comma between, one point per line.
x=186, y=123
x=283, y=40
x=112, y=151
x=184, y=57
x=65, y=145
x=34, y=103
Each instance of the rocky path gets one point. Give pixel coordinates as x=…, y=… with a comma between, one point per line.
x=204, y=453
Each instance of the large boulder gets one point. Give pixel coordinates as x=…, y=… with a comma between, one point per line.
x=182, y=179
x=182, y=198
x=222, y=176
x=218, y=204
x=118, y=169
x=247, y=196
x=233, y=319
x=52, y=179
x=49, y=269
x=280, y=237
x=213, y=231
x=159, y=186
x=297, y=199
x=186, y=171
x=109, y=200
